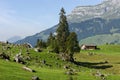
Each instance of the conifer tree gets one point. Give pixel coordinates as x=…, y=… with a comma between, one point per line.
x=72, y=45
x=64, y=42
x=50, y=39
x=62, y=31
x=52, y=43
x=55, y=46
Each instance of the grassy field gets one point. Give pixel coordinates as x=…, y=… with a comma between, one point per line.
x=13, y=71
x=106, y=61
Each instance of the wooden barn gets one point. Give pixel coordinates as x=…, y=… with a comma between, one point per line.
x=88, y=47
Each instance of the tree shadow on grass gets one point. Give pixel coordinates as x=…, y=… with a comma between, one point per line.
x=99, y=65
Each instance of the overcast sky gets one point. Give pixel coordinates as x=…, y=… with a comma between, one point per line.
x=28, y=17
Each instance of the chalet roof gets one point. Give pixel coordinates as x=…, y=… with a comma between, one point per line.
x=89, y=45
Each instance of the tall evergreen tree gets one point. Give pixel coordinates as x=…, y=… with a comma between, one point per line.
x=50, y=39
x=62, y=31
x=64, y=42
x=72, y=45
x=52, y=43
x=55, y=46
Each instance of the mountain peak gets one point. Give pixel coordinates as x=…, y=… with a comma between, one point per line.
x=107, y=9
x=113, y=1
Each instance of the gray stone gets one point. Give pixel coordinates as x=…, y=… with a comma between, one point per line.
x=35, y=78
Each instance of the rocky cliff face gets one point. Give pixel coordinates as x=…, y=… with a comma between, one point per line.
x=109, y=9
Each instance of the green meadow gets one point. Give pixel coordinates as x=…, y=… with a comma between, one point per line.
x=106, y=61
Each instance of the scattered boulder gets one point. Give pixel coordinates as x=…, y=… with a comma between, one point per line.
x=70, y=72
x=28, y=69
x=66, y=66
x=27, y=45
x=8, y=47
x=18, y=58
x=44, y=61
x=64, y=57
x=35, y=78
x=49, y=65
x=28, y=53
x=37, y=50
x=91, y=54
x=4, y=56
x=99, y=74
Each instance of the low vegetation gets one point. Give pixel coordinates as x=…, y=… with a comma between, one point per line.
x=49, y=66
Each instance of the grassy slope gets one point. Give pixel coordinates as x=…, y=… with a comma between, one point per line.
x=102, y=39
x=109, y=53
x=105, y=49
x=13, y=71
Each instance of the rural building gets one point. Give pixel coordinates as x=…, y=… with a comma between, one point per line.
x=88, y=47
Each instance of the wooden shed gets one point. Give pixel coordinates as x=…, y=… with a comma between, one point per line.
x=88, y=47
